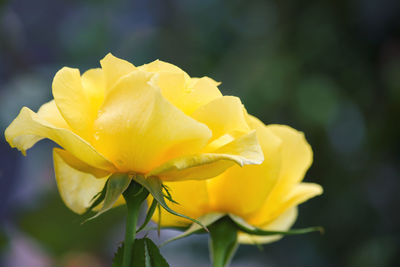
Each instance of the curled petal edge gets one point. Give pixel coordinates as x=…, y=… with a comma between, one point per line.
x=244, y=150
x=28, y=128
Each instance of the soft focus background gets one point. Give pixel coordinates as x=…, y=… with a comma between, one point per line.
x=328, y=68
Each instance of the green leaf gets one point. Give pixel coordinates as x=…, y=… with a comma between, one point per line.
x=149, y=215
x=223, y=241
x=206, y=220
x=249, y=229
x=144, y=254
x=115, y=186
x=118, y=257
x=154, y=185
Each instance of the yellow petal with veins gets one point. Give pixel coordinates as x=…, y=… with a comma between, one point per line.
x=77, y=188
x=297, y=154
x=50, y=113
x=296, y=158
x=271, y=210
x=80, y=165
x=243, y=150
x=138, y=129
x=114, y=68
x=72, y=101
x=28, y=128
x=94, y=85
x=158, y=66
x=243, y=190
x=199, y=92
x=187, y=94
x=224, y=115
x=208, y=80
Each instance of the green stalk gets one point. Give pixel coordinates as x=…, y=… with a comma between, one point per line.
x=223, y=241
x=134, y=196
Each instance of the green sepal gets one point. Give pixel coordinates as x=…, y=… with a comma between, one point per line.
x=249, y=229
x=149, y=215
x=114, y=187
x=155, y=187
x=144, y=254
x=97, y=199
x=168, y=194
x=206, y=220
x=223, y=241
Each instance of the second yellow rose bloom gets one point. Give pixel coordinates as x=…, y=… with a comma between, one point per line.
x=265, y=196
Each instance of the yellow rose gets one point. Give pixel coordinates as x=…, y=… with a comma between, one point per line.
x=265, y=196
x=154, y=120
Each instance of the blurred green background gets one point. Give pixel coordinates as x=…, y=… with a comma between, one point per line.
x=328, y=68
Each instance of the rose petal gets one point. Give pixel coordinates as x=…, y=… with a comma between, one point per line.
x=76, y=188
x=224, y=115
x=227, y=191
x=139, y=129
x=28, y=128
x=242, y=151
x=114, y=68
x=50, y=113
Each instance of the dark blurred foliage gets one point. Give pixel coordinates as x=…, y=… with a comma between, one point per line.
x=328, y=68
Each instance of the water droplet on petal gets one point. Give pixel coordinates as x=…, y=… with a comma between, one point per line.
x=97, y=136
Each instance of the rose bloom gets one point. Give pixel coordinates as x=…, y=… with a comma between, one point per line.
x=265, y=196
x=154, y=120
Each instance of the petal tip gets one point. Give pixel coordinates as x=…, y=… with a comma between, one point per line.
x=107, y=56
x=319, y=190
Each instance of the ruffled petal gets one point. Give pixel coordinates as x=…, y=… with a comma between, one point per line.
x=114, y=68
x=77, y=188
x=172, y=87
x=28, y=128
x=50, y=113
x=187, y=94
x=283, y=223
x=138, y=129
x=72, y=101
x=297, y=155
x=242, y=151
x=199, y=92
x=227, y=191
x=224, y=115
x=271, y=210
x=79, y=165
x=94, y=85
x=161, y=66
x=206, y=79
x=296, y=158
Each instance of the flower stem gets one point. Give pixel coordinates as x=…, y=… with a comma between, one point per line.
x=134, y=196
x=223, y=241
